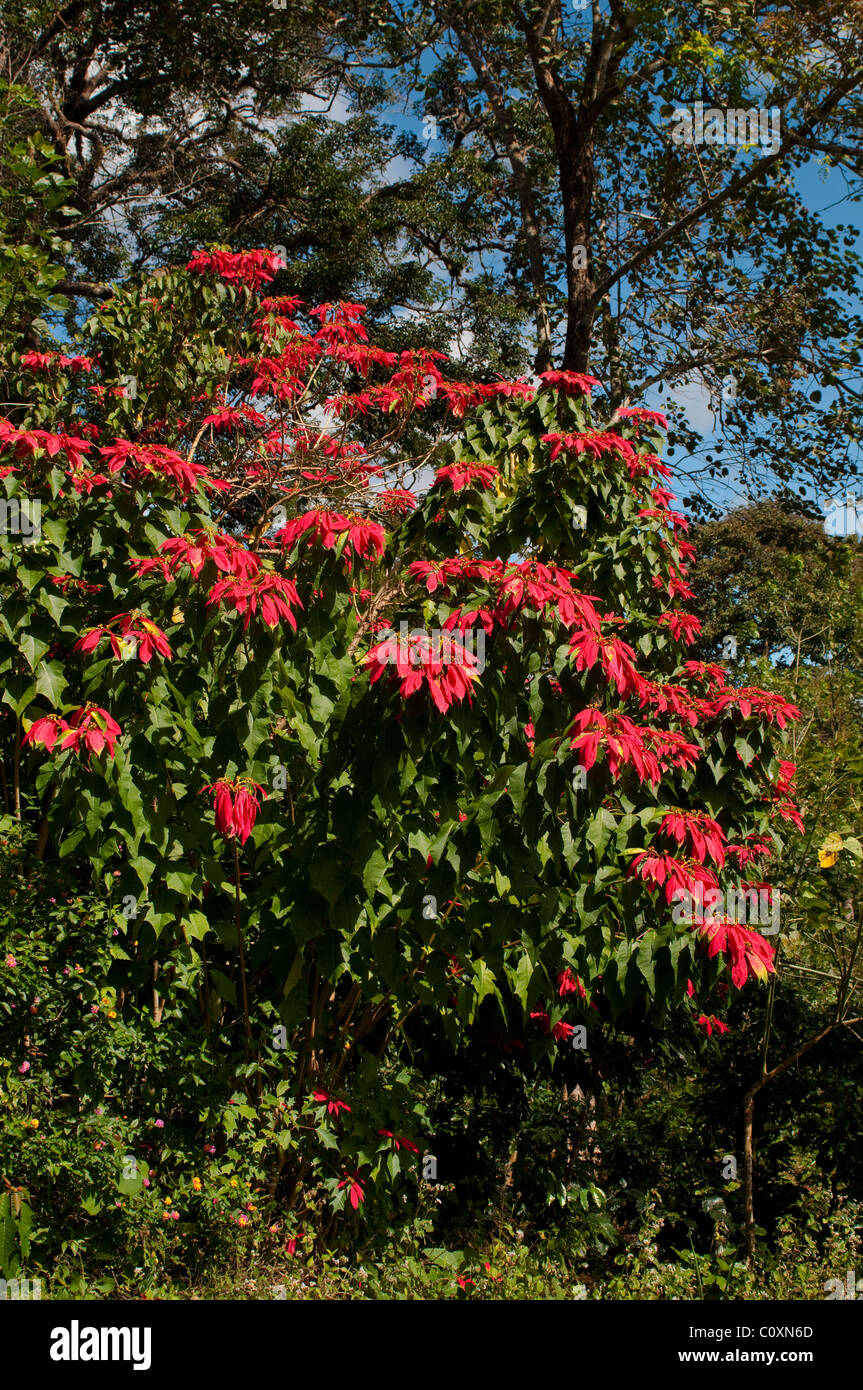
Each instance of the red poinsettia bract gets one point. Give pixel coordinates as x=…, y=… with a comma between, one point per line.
x=447, y=671
x=130, y=634
x=366, y=538
x=270, y=595
x=236, y=806
x=467, y=474
x=570, y=383
x=678, y=876
x=89, y=726
x=588, y=646
x=708, y=1022
x=355, y=1189
x=333, y=1104
x=399, y=1141
x=703, y=835
x=750, y=954
x=194, y=549
x=250, y=268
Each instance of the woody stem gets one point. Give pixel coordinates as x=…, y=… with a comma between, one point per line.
x=239, y=922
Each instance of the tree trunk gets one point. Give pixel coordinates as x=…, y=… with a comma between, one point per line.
x=521, y=182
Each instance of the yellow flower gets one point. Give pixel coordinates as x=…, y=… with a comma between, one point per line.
x=35, y=1124
x=233, y=1182
x=196, y=1184
x=830, y=849
x=112, y=1013
x=243, y=1220
x=167, y=1201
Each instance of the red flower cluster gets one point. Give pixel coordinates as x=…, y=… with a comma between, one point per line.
x=231, y=418
x=588, y=646
x=678, y=876
x=130, y=635
x=637, y=412
x=399, y=1141
x=250, y=268
x=89, y=725
x=29, y=442
x=707, y=1023
x=155, y=461
x=236, y=806
x=754, y=847
x=570, y=383
x=560, y=1031
x=418, y=663
x=592, y=442
x=195, y=549
x=569, y=983
x=625, y=742
x=749, y=953
x=683, y=626
x=44, y=361
x=331, y=1102
x=439, y=572
x=466, y=474
x=366, y=538
x=398, y=500
x=696, y=828
x=355, y=1190
x=269, y=594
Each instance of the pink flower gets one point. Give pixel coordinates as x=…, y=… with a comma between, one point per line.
x=160, y=1124
x=24, y=1067
x=11, y=962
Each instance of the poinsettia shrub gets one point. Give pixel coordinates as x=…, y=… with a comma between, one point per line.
x=365, y=693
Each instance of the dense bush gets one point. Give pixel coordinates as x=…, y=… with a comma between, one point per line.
x=329, y=863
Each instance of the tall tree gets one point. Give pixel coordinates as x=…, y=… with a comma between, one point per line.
x=656, y=262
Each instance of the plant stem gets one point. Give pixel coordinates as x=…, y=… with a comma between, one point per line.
x=239, y=922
